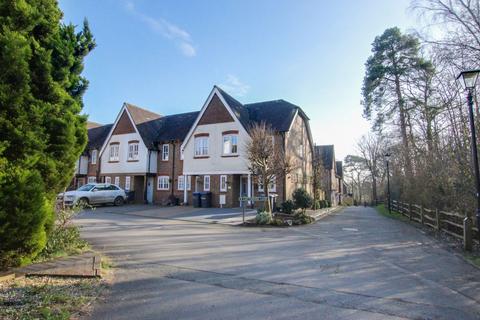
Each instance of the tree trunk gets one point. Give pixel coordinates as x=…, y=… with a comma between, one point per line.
x=267, y=194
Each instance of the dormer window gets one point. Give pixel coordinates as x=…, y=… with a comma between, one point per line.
x=114, y=147
x=132, y=150
x=230, y=142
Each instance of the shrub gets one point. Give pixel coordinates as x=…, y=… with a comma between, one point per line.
x=302, y=218
x=65, y=236
x=302, y=199
x=317, y=205
x=329, y=204
x=288, y=207
x=263, y=217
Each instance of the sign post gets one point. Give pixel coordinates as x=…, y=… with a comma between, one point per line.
x=246, y=199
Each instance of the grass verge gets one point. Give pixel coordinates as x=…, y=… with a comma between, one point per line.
x=48, y=298
x=474, y=259
x=394, y=215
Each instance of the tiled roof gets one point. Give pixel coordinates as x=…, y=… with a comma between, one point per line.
x=91, y=125
x=277, y=113
x=97, y=136
x=167, y=128
x=326, y=154
x=140, y=115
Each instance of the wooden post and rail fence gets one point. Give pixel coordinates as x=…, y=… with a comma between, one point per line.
x=454, y=224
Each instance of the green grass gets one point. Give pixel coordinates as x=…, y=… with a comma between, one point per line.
x=381, y=209
x=48, y=298
x=473, y=259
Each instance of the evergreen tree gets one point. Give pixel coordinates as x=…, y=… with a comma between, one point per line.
x=42, y=130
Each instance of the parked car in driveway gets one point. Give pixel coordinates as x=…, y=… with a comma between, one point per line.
x=94, y=193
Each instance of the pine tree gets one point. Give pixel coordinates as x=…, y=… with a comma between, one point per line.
x=42, y=131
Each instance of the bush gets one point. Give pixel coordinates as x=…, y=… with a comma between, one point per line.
x=25, y=215
x=329, y=204
x=263, y=217
x=302, y=199
x=288, y=207
x=65, y=236
x=302, y=218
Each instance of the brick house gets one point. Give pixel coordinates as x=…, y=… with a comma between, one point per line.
x=87, y=168
x=166, y=157
x=330, y=181
x=214, y=155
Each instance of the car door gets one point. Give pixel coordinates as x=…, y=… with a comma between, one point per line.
x=111, y=193
x=97, y=194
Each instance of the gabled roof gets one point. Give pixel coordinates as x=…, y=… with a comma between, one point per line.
x=91, y=124
x=339, y=169
x=140, y=115
x=97, y=136
x=326, y=154
x=167, y=128
x=278, y=114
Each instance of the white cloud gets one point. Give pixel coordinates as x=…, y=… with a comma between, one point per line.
x=234, y=86
x=180, y=37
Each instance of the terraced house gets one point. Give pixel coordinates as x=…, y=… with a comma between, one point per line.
x=164, y=159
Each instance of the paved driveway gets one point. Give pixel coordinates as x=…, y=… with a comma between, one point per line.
x=352, y=265
x=227, y=216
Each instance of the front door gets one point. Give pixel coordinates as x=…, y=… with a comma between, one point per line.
x=150, y=183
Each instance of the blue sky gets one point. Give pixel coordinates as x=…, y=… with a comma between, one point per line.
x=167, y=55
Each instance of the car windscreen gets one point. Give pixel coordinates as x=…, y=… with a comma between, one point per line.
x=86, y=187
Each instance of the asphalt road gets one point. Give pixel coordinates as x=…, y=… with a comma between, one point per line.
x=355, y=264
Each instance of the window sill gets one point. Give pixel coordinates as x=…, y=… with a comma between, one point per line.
x=113, y=161
x=229, y=155
x=163, y=189
x=201, y=157
x=164, y=160
x=132, y=160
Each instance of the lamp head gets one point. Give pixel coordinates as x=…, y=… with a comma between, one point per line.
x=468, y=79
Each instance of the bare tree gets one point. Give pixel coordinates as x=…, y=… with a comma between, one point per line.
x=372, y=148
x=266, y=160
x=356, y=172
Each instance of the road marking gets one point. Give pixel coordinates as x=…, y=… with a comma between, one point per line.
x=349, y=229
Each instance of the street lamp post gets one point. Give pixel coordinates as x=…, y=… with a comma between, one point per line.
x=468, y=80
x=387, y=158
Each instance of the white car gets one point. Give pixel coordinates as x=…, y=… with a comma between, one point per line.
x=94, y=193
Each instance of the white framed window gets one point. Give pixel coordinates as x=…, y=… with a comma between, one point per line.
x=108, y=180
x=163, y=183
x=92, y=179
x=223, y=183
x=114, y=152
x=133, y=151
x=189, y=183
x=165, y=152
x=181, y=183
x=127, y=183
x=300, y=150
x=117, y=181
x=94, y=156
x=272, y=185
x=230, y=144
x=206, y=183
x=201, y=146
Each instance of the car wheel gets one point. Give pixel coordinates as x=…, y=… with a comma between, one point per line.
x=83, y=202
x=118, y=201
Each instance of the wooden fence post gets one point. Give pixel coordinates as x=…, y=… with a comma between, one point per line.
x=421, y=214
x=467, y=234
x=437, y=220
